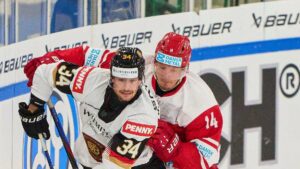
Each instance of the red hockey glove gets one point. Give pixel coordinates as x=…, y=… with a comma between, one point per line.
x=33, y=64
x=165, y=142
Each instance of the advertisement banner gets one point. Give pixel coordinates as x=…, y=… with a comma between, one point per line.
x=258, y=94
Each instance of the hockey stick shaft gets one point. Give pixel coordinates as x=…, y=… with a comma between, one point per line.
x=62, y=135
x=46, y=153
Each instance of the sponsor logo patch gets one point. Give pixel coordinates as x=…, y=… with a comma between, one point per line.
x=138, y=128
x=169, y=60
x=205, y=151
x=80, y=79
x=95, y=148
x=125, y=72
x=93, y=57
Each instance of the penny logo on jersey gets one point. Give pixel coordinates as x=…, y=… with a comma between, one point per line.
x=80, y=79
x=138, y=128
x=33, y=156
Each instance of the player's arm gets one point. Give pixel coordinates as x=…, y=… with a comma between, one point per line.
x=73, y=55
x=32, y=116
x=46, y=78
x=56, y=75
x=127, y=145
x=79, y=56
x=201, y=148
x=198, y=149
x=123, y=151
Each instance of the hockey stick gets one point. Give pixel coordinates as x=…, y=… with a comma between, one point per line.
x=62, y=135
x=46, y=153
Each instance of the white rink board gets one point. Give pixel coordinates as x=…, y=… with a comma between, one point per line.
x=245, y=53
x=286, y=111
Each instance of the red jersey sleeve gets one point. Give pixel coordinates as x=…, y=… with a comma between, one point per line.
x=73, y=55
x=201, y=141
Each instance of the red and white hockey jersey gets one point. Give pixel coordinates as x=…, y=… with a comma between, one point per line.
x=194, y=114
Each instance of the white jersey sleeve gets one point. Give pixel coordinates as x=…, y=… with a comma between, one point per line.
x=43, y=84
x=86, y=80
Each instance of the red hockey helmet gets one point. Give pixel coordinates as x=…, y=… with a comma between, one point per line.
x=174, y=50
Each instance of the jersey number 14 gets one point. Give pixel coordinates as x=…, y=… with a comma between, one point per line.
x=211, y=121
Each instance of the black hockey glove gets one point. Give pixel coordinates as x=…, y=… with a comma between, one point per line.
x=34, y=123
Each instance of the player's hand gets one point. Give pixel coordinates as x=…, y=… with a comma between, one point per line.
x=165, y=142
x=34, y=122
x=33, y=64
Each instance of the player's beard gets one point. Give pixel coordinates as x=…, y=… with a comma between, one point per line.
x=126, y=95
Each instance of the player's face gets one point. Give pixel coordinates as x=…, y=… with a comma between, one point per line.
x=167, y=76
x=125, y=88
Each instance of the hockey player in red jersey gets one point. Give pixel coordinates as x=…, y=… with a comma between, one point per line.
x=189, y=132
x=188, y=135
x=117, y=111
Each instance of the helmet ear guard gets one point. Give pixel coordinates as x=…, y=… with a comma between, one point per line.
x=174, y=50
x=128, y=63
